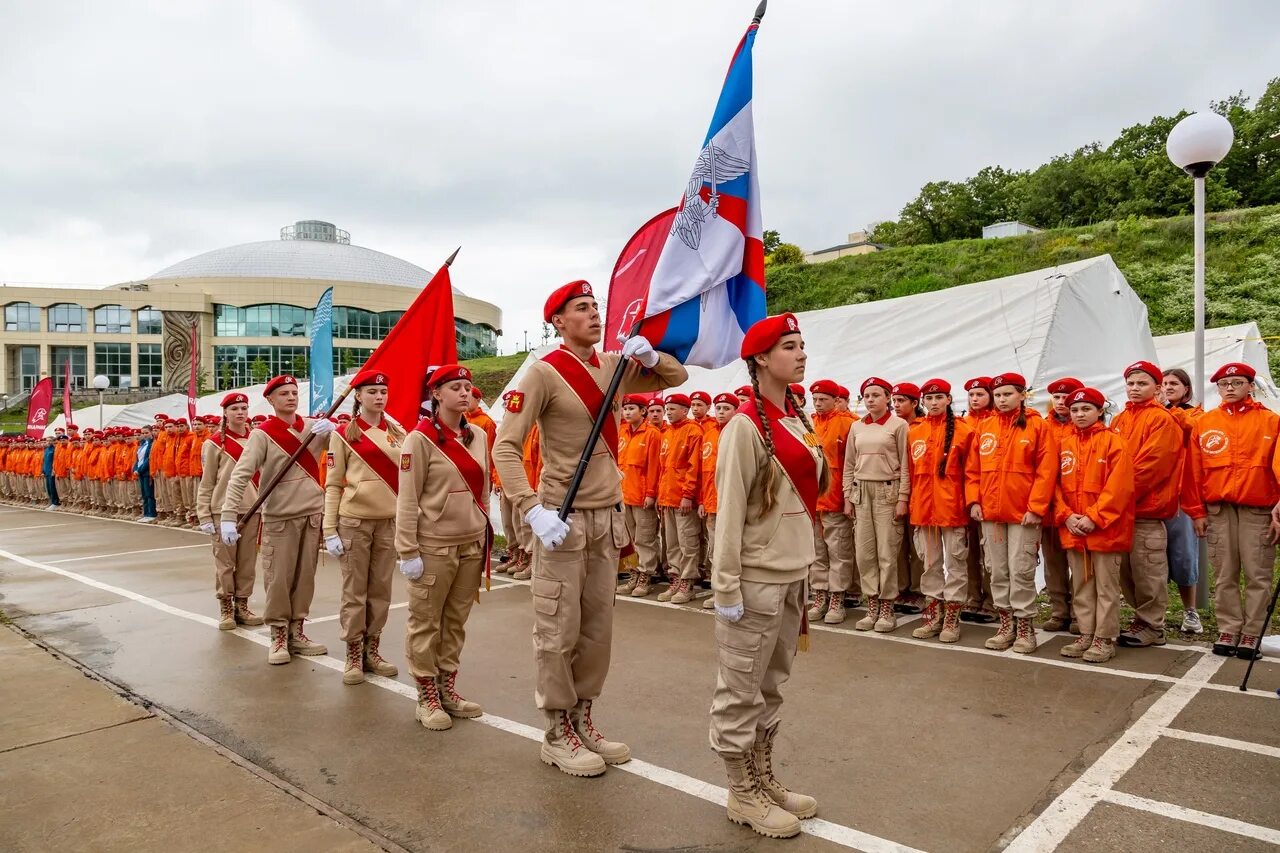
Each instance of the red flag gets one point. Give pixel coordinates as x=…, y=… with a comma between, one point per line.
x=423, y=338
x=38, y=407
x=629, y=286
x=191, y=383
x=66, y=394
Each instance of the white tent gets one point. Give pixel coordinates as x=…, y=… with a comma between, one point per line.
x=1242, y=342
x=1080, y=319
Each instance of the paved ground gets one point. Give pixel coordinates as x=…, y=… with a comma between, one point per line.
x=907, y=744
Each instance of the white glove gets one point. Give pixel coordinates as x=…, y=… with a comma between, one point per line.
x=322, y=427
x=733, y=614
x=411, y=569
x=333, y=545
x=207, y=528
x=229, y=533
x=639, y=348
x=547, y=526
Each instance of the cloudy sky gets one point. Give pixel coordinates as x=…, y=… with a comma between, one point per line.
x=539, y=135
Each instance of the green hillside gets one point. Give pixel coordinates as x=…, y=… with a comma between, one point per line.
x=1242, y=280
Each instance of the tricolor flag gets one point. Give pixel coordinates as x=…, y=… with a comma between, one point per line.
x=694, y=276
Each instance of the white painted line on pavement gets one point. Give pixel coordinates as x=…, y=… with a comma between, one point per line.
x=843, y=835
x=1227, y=742
x=127, y=553
x=35, y=527
x=402, y=604
x=1066, y=812
x=1214, y=821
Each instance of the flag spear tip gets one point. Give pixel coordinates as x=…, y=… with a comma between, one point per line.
x=449, y=262
x=760, y=11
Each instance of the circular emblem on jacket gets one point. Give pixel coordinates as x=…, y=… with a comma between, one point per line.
x=918, y=448
x=1214, y=442
x=988, y=444
x=1067, y=461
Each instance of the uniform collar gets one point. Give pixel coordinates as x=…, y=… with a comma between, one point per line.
x=879, y=421
x=594, y=361
x=1245, y=405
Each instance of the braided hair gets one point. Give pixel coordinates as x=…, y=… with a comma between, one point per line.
x=824, y=475
x=767, y=476
x=1021, y=421
x=946, y=443
x=464, y=428
x=222, y=431
x=352, y=431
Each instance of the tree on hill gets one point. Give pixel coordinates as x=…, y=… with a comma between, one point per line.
x=786, y=253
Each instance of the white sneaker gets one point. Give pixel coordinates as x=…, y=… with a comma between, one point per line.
x=147, y=519
x=1191, y=623
x=50, y=507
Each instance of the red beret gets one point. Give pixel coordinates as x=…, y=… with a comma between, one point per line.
x=655, y=401
x=763, y=335
x=448, y=373
x=278, y=382
x=181, y=421
x=561, y=296
x=258, y=419
x=797, y=389
x=731, y=399
x=678, y=399
x=1065, y=385
x=1145, y=367
x=161, y=416
x=876, y=381
x=842, y=392
x=369, y=377
x=477, y=393
x=983, y=382
x=825, y=386
x=233, y=398
x=1087, y=395
x=634, y=400
x=700, y=395
x=743, y=391
x=1014, y=379
x=1235, y=368
x=936, y=386
x=907, y=389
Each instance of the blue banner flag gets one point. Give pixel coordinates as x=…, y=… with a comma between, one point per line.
x=322, y=355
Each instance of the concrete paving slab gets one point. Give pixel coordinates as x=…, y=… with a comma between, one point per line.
x=1265, y=676
x=1112, y=827
x=1213, y=712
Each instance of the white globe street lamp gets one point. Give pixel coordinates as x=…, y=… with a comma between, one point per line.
x=1197, y=144
x=101, y=383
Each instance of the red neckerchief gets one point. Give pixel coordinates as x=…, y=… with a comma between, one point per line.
x=879, y=421
x=792, y=455
x=279, y=432
x=234, y=447
x=373, y=454
x=574, y=372
x=471, y=471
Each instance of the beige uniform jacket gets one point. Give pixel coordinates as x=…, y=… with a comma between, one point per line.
x=877, y=453
x=216, y=467
x=352, y=488
x=564, y=425
x=435, y=506
x=297, y=495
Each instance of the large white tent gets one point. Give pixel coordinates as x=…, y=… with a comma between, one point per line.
x=1242, y=342
x=1080, y=319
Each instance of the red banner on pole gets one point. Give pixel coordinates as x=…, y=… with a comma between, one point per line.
x=191, y=385
x=38, y=408
x=66, y=394
x=629, y=286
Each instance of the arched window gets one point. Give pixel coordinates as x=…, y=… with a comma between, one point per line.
x=66, y=317
x=150, y=321
x=111, y=320
x=21, y=317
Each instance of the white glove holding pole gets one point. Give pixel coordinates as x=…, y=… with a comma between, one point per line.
x=207, y=528
x=333, y=545
x=230, y=534
x=322, y=427
x=547, y=526
x=411, y=568
x=733, y=613
x=639, y=348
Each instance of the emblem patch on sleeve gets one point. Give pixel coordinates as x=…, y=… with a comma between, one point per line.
x=406, y=461
x=515, y=402
x=329, y=460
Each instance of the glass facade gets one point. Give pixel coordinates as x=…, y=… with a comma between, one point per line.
x=261, y=321
x=474, y=340
x=150, y=321
x=150, y=364
x=28, y=367
x=79, y=357
x=111, y=320
x=361, y=325
x=66, y=317
x=237, y=366
x=21, y=317
x=112, y=361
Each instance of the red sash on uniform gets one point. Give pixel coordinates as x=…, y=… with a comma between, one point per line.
x=234, y=451
x=796, y=460
x=472, y=474
x=279, y=432
x=374, y=456
x=581, y=382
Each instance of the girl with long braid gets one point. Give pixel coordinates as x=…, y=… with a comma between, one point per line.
x=906, y=405
x=978, y=606
x=359, y=522
x=769, y=473
x=940, y=445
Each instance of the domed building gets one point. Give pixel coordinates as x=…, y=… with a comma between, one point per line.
x=251, y=305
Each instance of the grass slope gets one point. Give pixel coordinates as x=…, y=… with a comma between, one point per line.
x=492, y=374
x=1242, y=278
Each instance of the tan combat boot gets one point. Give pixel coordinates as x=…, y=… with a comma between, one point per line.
x=613, y=752
x=1078, y=647
x=226, y=613
x=886, y=620
x=429, y=710
x=749, y=805
x=932, y=621
x=524, y=567
x=642, y=585
x=278, y=651
x=245, y=616
x=1003, y=638
x=709, y=603
x=821, y=598
x=452, y=702
x=685, y=594
x=375, y=662
x=301, y=644
x=628, y=586
x=800, y=805
x=562, y=748
x=353, y=669
x=675, y=586
x=866, y=623
x=1025, y=643
x=950, y=632
x=835, y=608
x=1100, y=650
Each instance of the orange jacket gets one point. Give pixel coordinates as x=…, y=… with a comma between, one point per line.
x=1234, y=458
x=533, y=458
x=182, y=454
x=707, y=497
x=638, y=459
x=62, y=459
x=681, y=447
x=483, y=421
x=1186, y=419
x=1155, y=440
x=162, y=454
x=833, y=431
x=194, y=466
x=1095, y=479
x=125, y=456
x=1011, y=471
x=938, y=501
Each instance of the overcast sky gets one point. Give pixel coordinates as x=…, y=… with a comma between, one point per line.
x=540, y=135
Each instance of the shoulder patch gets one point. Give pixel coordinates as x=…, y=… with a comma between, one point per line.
x=330, y=461
x=406, y=461
x=515, y=402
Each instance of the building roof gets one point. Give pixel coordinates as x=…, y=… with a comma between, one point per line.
x=309, y=259
x=878, y=246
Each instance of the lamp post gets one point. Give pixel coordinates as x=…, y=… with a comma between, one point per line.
x=101, y=383
x=1197, y=144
